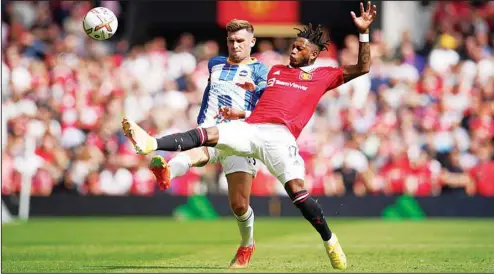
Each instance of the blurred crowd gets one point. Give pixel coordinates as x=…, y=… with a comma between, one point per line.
x=421, y=122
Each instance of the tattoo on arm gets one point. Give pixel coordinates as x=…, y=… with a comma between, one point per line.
x=363, y=65
x=364, y=54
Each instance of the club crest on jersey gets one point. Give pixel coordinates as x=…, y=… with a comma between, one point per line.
x=305, y=76
x=243, y=73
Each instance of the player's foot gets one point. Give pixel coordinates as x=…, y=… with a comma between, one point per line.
x=143, y=142
x=242, y=257
x=161, y=170
x=335, y=253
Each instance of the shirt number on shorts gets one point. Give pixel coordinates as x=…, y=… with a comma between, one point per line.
x=292, y=151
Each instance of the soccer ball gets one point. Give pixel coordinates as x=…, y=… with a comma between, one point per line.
x=100, y=23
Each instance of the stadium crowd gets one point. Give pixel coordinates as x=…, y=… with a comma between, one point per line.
x=421, y=122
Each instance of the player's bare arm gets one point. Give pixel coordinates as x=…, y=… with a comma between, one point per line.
x=229, y=113
x=247, y=85
x=364, y=56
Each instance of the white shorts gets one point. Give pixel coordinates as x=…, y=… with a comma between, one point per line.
x=272, y=144
x=233, y=163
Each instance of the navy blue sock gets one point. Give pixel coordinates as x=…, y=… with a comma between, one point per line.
x=183, y=141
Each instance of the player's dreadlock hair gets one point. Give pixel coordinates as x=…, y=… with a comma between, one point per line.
x=314, y=36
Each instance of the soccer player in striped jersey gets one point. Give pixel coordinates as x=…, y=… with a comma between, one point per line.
x=236, y=81
x=270, y=133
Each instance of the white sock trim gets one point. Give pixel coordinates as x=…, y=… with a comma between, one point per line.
x=245, y=216
x=330, y=242
x=301, y=197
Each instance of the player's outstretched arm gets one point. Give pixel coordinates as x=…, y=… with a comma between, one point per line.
x=364, y=57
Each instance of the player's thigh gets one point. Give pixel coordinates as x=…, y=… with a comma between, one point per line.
x=239, y=173
x=284, y=161
x=236, y=138
x=198, y=156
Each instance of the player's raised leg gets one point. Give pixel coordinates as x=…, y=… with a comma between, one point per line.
x=145, y=143
x=313, y=213
x=239, y=174
x=177, y=166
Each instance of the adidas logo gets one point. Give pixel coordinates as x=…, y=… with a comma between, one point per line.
x=405, y=207
x=277, y=73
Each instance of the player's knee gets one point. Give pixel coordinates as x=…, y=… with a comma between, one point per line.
x=294, y=186
x=239, y=206
x=213, y=136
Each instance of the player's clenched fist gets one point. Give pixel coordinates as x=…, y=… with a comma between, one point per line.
x=228, y=113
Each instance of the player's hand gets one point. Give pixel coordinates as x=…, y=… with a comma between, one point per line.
x=247, y=85
x=366, y=17
x=229, y=113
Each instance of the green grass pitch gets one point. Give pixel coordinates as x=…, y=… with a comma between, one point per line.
x=283, y=245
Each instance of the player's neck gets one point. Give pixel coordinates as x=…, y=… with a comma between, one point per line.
x=246, y=60
x=302, y=67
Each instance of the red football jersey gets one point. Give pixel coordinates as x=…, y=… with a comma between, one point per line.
x=292, y=94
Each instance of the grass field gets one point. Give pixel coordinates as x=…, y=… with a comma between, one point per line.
x=283, y=245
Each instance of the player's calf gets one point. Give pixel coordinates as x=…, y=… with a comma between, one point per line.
x=312, y=212
x=188, y=140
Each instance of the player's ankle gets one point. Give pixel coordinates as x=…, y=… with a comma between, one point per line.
x=179, y=165
x=331, y=240
x=154, y=144
x=247, y=243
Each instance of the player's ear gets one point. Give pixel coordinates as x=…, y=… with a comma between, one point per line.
x=253, y=42
x=314, y=54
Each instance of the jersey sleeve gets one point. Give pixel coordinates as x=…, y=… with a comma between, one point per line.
x=215, y=61
x=260, y=79
x=334, y=77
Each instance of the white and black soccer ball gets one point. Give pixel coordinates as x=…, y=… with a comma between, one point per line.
x=100, y=23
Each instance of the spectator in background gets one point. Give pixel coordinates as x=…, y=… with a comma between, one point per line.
x=266, y=54
x=453, y=177
x=421, y=174
x=182, y=63
x=144, y=182
x=444, y=57
x=421, y=122
x=482, y=174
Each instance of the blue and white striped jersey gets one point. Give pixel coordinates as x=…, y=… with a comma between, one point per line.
x=222, y=90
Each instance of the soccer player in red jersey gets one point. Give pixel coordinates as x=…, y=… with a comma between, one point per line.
x=270, y=132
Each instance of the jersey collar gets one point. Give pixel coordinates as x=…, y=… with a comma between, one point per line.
x=245, y=62
x=306, y=69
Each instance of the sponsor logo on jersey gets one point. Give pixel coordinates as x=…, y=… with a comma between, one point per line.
x=271, y=82
x=243, y=73
x=305, y=76
x=274, y=81
x=277, y=72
